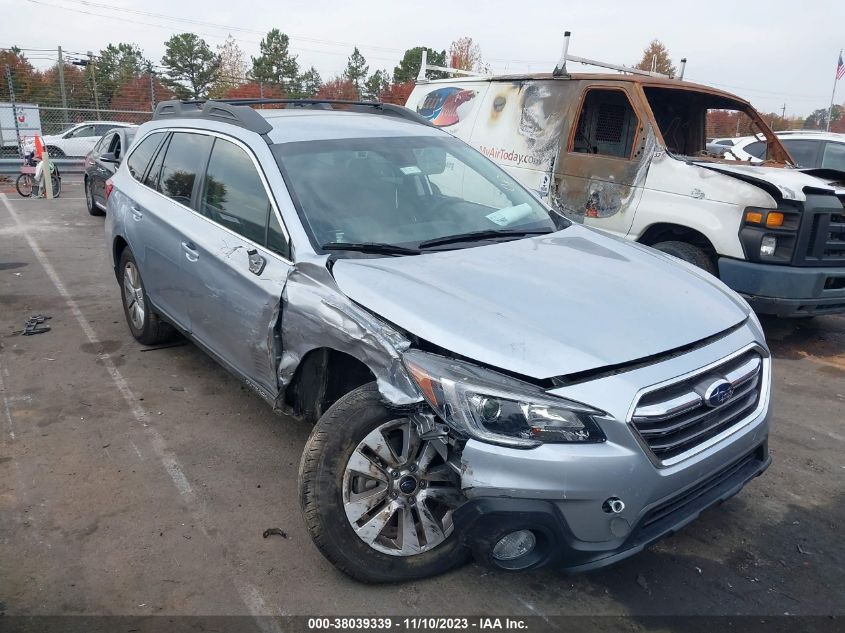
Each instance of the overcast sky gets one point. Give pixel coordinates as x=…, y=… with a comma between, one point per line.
x=770, y=53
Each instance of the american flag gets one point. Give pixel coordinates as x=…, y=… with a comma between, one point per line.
x=840, y=68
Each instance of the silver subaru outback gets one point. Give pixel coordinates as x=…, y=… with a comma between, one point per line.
x=484, y=377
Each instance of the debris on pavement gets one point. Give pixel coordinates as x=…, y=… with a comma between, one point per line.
x=31, y=326
x=278, y=531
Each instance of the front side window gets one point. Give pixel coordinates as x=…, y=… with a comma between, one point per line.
x=834, y=156
x=404, y=191
x=83, y=132
x=233, y=193
x=185, y=158
x=606, y=126
x=102, y=145
x=142, y=153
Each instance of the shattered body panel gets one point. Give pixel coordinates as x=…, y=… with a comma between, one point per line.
x=315, y=315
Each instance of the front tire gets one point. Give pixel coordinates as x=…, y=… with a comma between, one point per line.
x=688, y=253
x=55, y=152
x=24, y=184
x=378, y=498
x=144, y=323
x=93, y=209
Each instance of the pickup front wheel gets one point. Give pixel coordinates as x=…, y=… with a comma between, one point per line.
x=689, y=253
x=377, y=489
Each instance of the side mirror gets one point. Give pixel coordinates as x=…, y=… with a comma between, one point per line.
x=109, y=157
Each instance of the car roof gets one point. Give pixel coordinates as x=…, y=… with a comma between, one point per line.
x=293, y=125
x=647, y=81
x=832, y=136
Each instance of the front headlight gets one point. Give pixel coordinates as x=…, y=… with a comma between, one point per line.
x=495, y=408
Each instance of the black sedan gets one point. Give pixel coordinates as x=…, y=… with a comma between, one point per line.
x=101, y=164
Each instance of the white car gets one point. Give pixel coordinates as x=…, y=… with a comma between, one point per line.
x=810, y=148
x=77, y=140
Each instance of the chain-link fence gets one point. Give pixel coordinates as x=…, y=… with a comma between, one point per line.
x=71, y=105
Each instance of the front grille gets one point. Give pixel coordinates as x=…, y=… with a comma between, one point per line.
x=821, y=239
x=674, y=419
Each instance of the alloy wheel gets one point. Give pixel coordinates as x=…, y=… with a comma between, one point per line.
x=133, y=293
x=399, y=489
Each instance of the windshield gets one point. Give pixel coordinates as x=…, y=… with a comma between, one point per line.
x=405, y=191
x=688, y=118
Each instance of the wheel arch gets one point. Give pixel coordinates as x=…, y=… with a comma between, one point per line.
x=667, y=231
x=321, y=378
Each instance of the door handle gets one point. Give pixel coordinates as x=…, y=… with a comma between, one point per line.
x=191, y=252
x=256, y=262
x=136, y=213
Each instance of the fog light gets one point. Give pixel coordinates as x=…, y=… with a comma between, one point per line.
x=514, y=545
x=768, y=245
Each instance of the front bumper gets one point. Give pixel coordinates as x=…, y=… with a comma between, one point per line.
x=786, y=291
x=482, y=521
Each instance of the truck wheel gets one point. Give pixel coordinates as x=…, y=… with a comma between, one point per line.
x=145, y=325
x=688, y=253
x=378, y=498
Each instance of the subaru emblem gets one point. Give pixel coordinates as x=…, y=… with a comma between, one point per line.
x=718, y=393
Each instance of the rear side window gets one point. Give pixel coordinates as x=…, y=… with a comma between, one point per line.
x=803, y=151
x=834, y=156
x=233, y=194
x=606, y=126
x=140, y=158
x=185, y=157
x=757, y=149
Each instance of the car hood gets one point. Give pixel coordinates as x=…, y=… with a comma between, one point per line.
x=789, y=182
x=546, y=306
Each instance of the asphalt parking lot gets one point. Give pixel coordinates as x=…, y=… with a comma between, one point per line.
x=139, y=482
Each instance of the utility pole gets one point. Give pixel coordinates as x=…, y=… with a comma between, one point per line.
x=14, y=109
x=90, y=62
x=783, y=116
x=62, y=85
x=94, y=80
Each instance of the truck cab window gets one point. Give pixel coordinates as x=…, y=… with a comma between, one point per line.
x=606, y=126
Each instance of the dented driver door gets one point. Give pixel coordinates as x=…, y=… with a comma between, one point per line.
x=603, y=160
x=237, y=258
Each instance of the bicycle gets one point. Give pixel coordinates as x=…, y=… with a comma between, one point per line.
x=25, y=182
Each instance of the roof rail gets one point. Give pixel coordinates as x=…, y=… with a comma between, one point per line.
x=237, y=111
x=425, y=66
x=560, y=69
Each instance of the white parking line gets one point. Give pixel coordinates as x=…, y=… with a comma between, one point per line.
x=249, y=594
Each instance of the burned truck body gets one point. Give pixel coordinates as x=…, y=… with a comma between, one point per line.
x=628, y=154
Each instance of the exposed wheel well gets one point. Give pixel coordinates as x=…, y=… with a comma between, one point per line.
x=117, y=250
x=322, y=377
x=665, y=232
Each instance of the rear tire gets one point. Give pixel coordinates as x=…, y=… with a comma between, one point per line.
x=400, y=535
x=688, y=253
x=144, y=323
x=24, y=185
x=93, y=209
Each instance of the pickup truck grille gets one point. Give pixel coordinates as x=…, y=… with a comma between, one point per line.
x=827, y=238
x=821, y=237
x=674, y=419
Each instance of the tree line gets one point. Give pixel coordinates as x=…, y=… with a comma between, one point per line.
x=122, y=77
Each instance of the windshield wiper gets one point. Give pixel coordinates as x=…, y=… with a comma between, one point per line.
x=476, y=236
x=370, y=247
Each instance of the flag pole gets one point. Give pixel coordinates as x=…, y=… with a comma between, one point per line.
x=833, y=94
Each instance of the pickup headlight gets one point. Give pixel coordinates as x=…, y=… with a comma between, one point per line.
x=495, y=408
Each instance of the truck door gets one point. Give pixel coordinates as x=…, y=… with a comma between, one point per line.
x=602, y=166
